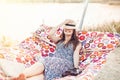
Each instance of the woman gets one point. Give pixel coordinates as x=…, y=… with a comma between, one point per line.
x=65, y=57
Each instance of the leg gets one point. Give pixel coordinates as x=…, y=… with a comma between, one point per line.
x=37, y=77
x=35, y=69
x=1, y=77
x=68, y=78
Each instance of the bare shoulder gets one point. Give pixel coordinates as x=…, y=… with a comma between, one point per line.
x=79, y=45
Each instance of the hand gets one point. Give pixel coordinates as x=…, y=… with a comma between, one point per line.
x=72, y=72
x=65, y=22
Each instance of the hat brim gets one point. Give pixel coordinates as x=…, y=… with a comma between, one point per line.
x=69, y=27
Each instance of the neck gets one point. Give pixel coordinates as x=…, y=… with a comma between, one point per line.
x=67, y=38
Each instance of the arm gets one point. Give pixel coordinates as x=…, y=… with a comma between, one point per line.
x=54, y=29
x=76, y=55
x=52, y=35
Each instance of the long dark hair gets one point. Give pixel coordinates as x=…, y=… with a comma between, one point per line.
x=74, y=39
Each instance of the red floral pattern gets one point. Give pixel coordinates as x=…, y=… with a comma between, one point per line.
x=95, y=48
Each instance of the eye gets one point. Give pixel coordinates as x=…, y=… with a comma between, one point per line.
x=69, y=30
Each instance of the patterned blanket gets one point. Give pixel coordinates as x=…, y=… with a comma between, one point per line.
x=95, y=48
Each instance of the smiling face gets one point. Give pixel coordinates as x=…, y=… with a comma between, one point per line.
x=68, y=31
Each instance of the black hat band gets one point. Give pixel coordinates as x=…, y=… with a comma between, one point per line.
x=70, y=25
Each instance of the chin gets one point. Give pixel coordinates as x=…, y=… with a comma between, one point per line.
x=68, y=34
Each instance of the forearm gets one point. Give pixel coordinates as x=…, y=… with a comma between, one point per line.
x=52, y=32
x=76, y=55
x=76, y=60
x=54, y=29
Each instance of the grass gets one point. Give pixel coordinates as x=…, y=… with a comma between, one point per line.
x=107, y=27
x=116, y=25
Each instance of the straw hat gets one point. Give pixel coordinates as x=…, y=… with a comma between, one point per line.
x=70, y=25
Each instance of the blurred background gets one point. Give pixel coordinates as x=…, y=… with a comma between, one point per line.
x=60, y=1
x=19, y=18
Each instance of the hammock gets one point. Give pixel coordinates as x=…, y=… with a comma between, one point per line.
x=95, y=48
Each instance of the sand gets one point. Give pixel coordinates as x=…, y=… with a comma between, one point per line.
x=111, y=70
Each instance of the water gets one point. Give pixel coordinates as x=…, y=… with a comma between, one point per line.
x=18, y=21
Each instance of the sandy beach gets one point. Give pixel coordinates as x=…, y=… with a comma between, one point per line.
x=111, y=70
